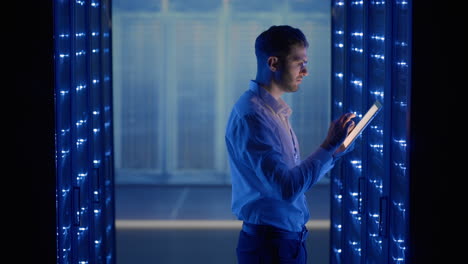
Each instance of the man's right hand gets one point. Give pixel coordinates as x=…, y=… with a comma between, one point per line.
x=338, y=131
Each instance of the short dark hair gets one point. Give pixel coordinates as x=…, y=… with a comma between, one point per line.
x=278, y=40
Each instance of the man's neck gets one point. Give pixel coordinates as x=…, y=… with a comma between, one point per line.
x=270, y=87
x=274, y=91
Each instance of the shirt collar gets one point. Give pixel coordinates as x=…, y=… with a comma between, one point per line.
x=279, y=106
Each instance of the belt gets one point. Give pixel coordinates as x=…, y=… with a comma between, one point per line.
x=273, y=232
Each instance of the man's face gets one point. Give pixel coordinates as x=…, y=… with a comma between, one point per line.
x=293, y=69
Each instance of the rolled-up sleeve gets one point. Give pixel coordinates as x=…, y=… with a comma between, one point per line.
x=257, y=143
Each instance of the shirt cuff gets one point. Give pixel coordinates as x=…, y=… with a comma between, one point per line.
x=323, y=155
x=325, y=159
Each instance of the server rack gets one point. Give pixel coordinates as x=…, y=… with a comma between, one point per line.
x=84, y=149
x=371, y=52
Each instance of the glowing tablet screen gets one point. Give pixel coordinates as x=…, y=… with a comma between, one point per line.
x=366, y=119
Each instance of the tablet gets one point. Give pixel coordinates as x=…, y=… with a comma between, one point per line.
x=366, y=119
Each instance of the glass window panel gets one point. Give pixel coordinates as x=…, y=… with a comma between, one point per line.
x=137, y=91
x=195, y=6
x=137, y=5
x=195, y=41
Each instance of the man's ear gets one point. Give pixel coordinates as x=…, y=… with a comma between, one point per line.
x=273, y=63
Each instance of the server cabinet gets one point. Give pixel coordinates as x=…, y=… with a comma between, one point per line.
x=84, y=151
x=370, y=186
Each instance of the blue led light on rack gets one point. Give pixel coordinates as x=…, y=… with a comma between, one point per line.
x=378, y=38
x=357, y=2
x=377, y=129
x=339, y=198
x=356, y=246
x=403, y=3
x=369, y=188
x=357, y=34
x=378, y=94
x=339, y=40
x=378, y=56
x=377, y=184
x=401, y=43
x=377, y=147
x=357, y=164
x=84, y=136
x=356, y=83
x=402, y=63
x=400, y=142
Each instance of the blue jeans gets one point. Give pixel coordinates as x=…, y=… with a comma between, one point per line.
x=265, y=245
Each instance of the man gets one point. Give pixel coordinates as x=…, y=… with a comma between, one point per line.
x=268, y=178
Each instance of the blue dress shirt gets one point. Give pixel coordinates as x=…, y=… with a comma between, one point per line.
x=268, y=178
